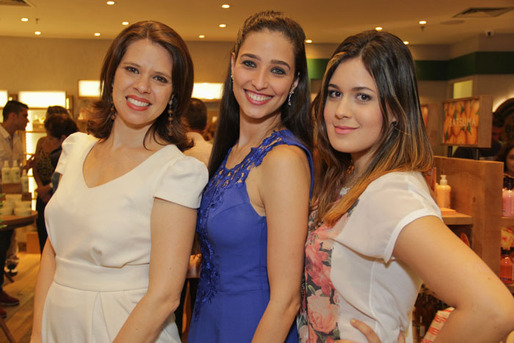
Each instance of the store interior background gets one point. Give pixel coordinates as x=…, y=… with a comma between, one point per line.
x=66, y=51
x=476, y=49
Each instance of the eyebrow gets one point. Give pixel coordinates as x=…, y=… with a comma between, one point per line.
x=355, y=89
x=133, y=64
x=280, y=62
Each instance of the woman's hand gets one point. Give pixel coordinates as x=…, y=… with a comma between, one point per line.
x=45, y=193
x=371, y=336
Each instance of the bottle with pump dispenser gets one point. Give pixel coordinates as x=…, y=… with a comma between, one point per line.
x=6, y=173
x=24, y=180
x=15, y=172
x=505, y=266
x=443, y=192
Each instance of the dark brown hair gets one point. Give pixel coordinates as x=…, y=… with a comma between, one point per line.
x=403, y=145
x=296, y=117
x=100, y=123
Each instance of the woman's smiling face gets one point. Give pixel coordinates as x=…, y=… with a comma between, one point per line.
x=352, y=113
x=142, y=83
x=263, y=74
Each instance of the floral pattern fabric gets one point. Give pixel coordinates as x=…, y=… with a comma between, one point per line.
x=317, y=321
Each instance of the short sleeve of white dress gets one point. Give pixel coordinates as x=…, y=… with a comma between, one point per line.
x=183, y=182
x=384, y=209
x=73, y=141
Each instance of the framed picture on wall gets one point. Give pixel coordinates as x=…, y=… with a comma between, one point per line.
x=467, y=122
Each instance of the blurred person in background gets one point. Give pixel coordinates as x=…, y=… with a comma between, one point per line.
x=58, y=125
x=15, y=116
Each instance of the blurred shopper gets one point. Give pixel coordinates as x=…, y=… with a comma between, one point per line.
x=58, y=126
x=15, y=118
x=195, y=120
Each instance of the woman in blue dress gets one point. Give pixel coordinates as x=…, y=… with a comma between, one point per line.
x=252, y=221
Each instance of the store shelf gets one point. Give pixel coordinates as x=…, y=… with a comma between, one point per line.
x=459, y=219
x=507, y=221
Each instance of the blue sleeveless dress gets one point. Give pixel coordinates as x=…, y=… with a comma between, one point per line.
x=234, y=291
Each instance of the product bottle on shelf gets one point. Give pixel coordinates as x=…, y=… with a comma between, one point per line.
x=505, y=266
x=15, y=172
x=6, y=173
x=24, y=180
x=442, y=193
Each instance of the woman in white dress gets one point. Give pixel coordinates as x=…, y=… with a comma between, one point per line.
x=121, y=223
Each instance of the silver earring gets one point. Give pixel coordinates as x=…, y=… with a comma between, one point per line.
x=289, y=98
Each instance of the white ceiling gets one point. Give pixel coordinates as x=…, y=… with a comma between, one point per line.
x=324, y=21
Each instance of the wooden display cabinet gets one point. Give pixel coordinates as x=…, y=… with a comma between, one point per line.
x=477, y=197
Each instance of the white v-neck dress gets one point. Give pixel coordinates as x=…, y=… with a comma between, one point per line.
x=101, y=236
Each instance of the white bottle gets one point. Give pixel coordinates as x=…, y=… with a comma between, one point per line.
x=507, y=202
x=6, y=173
x=15, y=172
x=442, y=193
x=24, y=180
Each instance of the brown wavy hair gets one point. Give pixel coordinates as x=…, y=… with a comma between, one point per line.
x=99, y=118
x=403, y=146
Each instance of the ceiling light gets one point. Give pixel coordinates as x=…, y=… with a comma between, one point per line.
x=379, y=28
x=225, y=6
x=24, y=19
x=406, y=42
x=308, y=41
x=201, y=36
x=37, y=33
x=97, y=34
x=422, y=22
x=222, y=25
x=110, y=3
x=124, y=23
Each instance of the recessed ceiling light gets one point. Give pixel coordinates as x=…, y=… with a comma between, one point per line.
x=37, y=33
x=24, y=19
x=110, y=3
x=222, y=25
x=406, y=42
x=201, y=36
x=124, y=23
x=308, y=41
x=225, y=6
x=422, y=22
x=379, y=28
x=97, y=34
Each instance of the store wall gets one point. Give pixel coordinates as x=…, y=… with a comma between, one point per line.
x=58, y=64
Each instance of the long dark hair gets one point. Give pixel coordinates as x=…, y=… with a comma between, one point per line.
x=295, y=117
x=403, y=145
x=100, y=123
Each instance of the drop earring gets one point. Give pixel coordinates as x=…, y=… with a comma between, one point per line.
x=113, y=112
x=289, y=98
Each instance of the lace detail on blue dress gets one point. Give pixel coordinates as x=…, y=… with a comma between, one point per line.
x=213, y=198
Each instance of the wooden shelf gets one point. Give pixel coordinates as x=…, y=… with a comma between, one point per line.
x=459, y=219
x=476, y=192
x=507, y=221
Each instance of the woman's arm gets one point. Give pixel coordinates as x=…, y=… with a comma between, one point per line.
x=284, y=190
x=173, y=228
x=44, y=280
x=44, y=192
x=484, y=308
